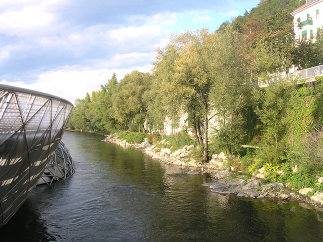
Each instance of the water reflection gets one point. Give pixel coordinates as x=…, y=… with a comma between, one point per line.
x=119, y=194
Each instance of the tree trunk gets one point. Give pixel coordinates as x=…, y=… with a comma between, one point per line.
x=206, y=138
x=206, y=145
x=199, y=132
x=196, y=134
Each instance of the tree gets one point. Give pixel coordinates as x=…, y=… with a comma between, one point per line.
x=128, y=106
x=232, y=91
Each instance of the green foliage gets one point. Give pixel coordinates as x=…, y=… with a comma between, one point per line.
x=132, y=137
x=204, y=74
x=196, y=153
x=309, y=53
x=177, y=141
x=154, y=138
x=255, y=165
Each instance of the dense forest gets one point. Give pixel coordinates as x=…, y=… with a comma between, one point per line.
x=214, y=75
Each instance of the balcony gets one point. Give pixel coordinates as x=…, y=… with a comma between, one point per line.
x=307, y=22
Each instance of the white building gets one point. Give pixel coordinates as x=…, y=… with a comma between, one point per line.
x=308, y=19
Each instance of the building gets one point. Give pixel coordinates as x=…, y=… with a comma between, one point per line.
x=308, y=19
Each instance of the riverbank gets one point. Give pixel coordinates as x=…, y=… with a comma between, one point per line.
x=227, y=180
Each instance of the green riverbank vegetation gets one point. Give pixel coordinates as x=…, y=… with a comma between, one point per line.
x=214, y=75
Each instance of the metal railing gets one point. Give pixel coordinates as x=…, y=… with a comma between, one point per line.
x=294, y=76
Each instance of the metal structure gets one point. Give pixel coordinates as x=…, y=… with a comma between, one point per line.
x=31, y=126
x=59, y=167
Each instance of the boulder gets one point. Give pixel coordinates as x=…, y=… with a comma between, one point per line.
x=219, y=164
x=237, y=182
x=305, y=191
x=222, y=156
x=261, y=176
x=215, y=156
x=273, y=185
x=165, y=151
x=252, y=184
x=318, y=198
x=190, y=147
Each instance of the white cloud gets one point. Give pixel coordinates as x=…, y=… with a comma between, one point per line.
x=133, y=34
x=72, y=83
x=26, y=19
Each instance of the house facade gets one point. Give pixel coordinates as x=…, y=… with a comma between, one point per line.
x=308, y=19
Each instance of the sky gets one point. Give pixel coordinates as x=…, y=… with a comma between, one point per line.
x=70, y=47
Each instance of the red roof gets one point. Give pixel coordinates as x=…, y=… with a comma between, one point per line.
x=305, y=5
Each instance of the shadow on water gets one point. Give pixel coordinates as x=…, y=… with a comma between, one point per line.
x=122, y=195
x=26, y=224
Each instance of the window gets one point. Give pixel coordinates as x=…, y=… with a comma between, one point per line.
x=311, y=33
x=304, y=35
x=317, y=14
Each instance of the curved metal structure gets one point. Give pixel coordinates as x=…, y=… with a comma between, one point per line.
x=31, y=126
x=59, y=167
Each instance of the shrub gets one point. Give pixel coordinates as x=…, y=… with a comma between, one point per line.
x=178, y=141
x=132, y=137
x=154, y=138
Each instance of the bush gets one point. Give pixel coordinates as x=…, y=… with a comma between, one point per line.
x=154, y=139
x=309, y=155
x=178, y=141
x=273, y=153
x=132, y=137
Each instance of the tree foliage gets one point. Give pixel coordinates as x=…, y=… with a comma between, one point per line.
x=207, y=75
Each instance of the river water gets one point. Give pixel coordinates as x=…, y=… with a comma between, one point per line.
x=122, y=195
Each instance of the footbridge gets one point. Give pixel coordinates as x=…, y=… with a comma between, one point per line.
x=31, y=127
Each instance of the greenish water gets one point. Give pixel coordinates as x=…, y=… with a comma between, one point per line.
x=122, y=195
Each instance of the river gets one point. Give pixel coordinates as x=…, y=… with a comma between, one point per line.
x=123, y=195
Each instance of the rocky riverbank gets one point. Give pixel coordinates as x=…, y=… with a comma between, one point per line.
x=226, y=179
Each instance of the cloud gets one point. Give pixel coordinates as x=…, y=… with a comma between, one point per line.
x=72, y=83
x=68, y=47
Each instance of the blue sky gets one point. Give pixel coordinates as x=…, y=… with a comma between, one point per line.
x=70, y=47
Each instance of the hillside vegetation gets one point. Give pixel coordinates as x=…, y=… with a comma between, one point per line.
x=205, y=74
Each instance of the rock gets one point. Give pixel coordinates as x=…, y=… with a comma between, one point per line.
x=237, y=182
x=261, y=176
x=261, y=173
x=305, y=191
x=176, y=153
x=273, y=185
x=219, y=164
x=320, y=180
x=232, y=168
x=222, y=156
x=252, y=184
x=215, y=156
x=183, y=154
x=262, y=170
x=193, y=173
x=284, y=196
x=190, y=147
x=165, y=151
x=318, y=198
x=145, y=144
